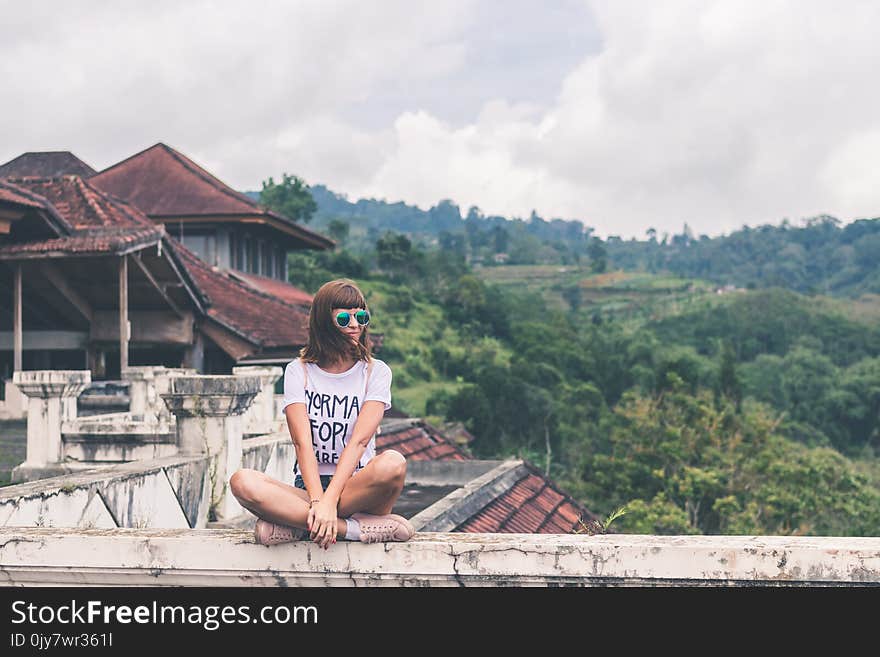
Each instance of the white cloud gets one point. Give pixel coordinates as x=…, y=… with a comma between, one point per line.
x=715, y=113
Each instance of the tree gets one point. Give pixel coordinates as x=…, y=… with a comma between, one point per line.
x=729, y=383
x=598, y=256
x=338, y=230
x=291, y=198
x=500, y=239
x=397, y=256
x=682, y=464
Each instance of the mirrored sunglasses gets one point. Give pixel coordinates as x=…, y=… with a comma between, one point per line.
x=343, y=319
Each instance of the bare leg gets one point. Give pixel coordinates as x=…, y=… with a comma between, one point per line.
x=376, y=488
x=274, y=500
x=373, y=490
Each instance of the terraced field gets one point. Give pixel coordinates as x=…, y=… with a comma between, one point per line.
x=627, y=296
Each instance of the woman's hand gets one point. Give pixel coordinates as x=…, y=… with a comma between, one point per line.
x=322, y=522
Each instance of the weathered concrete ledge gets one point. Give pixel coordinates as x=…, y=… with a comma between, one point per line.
x=167, y=492
x=131, y=557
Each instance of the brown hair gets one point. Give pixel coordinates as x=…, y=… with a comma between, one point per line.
x=327, y=344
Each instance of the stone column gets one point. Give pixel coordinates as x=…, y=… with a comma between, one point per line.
x=141, y=391
x=161, y=383
x=45, y=390
x=69, y=397
x=260, y=417
x=208, y=411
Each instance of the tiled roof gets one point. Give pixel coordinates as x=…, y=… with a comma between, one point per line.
x=260, y=318
x=10, y=193
x=418, y=441
x=48, y=164
x=273, y=287
x=84, y=206
x=165, y=183
x=101, y=241
x=533, y=505
x=94, y=222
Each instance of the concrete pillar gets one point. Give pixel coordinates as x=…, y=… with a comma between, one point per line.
x=161, y=383
x=194, y=354
x=142, y=393
x=260, y=418
x=69, y=410
x=45, y=390
x=208, y=411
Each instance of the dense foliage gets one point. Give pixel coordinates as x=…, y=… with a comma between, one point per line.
x=755, y=411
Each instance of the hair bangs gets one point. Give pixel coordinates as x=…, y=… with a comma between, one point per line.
x=347, y=296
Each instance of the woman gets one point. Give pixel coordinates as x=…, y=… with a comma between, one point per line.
x=335, y=395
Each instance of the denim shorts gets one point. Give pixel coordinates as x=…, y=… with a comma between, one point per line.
x=325, y=481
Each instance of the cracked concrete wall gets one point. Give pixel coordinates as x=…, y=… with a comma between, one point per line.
x=226, y=557
x=273, y=454
x=171, y=492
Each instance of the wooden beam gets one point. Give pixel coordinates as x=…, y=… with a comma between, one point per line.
x=232, y=344
x=147, y=326
x=182, y=282
x=123, y=313
x=16, y=323
x=159, y=288
x=47, y=340
x=56, y=278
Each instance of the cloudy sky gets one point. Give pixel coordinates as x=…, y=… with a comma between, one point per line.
x=626, y=114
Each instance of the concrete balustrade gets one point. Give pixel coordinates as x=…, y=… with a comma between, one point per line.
x=161, y=385
x=143, y=405
x=48, y=391
x=208, y=410
x=260, y=418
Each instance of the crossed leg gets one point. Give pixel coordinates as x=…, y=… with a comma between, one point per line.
x=373, y=490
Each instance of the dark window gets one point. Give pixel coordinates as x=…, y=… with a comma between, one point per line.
x=266, y=266
x=253, y=257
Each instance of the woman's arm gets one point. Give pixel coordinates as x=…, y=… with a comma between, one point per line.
x=364, y=428
x=324, y=513
x=301, y=435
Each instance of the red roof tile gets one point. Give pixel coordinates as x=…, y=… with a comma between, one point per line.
x=84, y=206
x=419, y=442
x=46, y=164
x=533, y=505
x=275, y=288
x=94, y=222
x=103, y=241
x=259, y=318
x=10, y=193
x=165, y=183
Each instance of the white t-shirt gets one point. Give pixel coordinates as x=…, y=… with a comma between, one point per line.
x=333, y=402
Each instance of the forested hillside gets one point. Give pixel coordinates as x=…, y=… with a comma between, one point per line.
x=817, y=256
x=751, y=406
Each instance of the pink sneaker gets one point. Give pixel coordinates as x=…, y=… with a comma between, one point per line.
x=268, y=533
x=382, y=529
